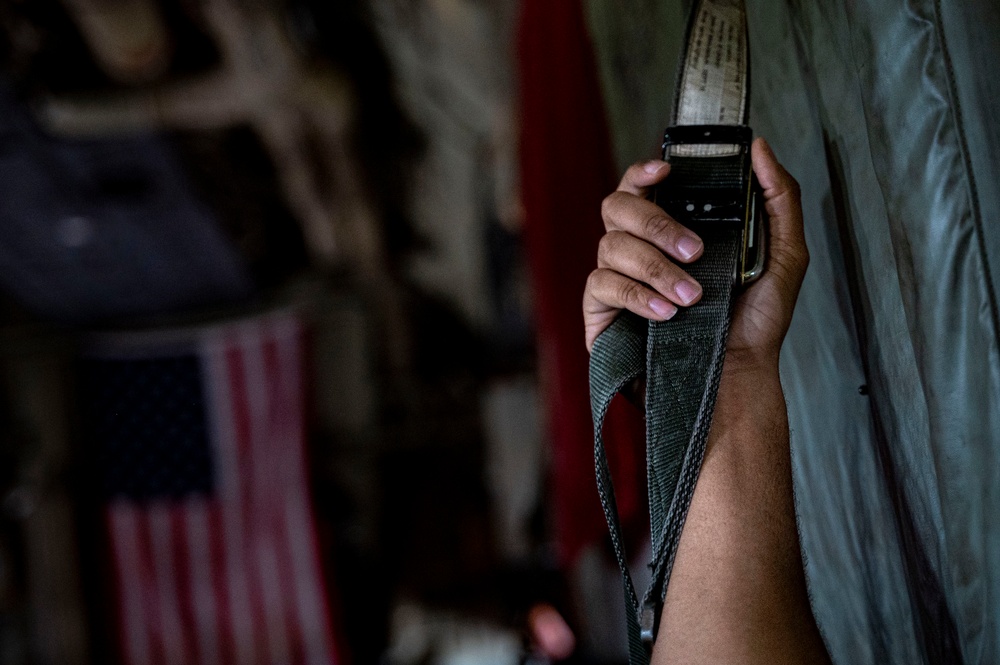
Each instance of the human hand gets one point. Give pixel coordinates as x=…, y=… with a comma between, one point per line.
x=638, y=257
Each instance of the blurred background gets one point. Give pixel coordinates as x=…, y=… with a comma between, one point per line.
x=292, y=365
x=281, y=366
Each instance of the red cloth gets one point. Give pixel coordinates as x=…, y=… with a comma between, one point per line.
x=566, y=170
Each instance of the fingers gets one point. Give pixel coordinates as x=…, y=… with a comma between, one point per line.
x=641, y=262
x=627, y=209
x=783, y=202
x=633, y=275
x=607, y=289
x=638, y=256
x=640, y=177
x=634, y=272
x=644, y=219
x=609, y=292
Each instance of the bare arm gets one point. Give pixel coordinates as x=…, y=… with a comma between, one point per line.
x=737, y=593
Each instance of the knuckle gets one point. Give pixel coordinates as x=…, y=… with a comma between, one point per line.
x=606, y=206
x=656, y=225
x=593, y=280
x=654, y=270
x=610, y=207
x=602, y=249
x=628, y=292
x=608, y=245
x=795, y=189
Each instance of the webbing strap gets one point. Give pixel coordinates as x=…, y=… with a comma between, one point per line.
x=681, y=360
x=708, y=189
x=683, y=368
x=618, y=358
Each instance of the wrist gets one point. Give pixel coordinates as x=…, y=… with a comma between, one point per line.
x=750, y=396
x=750, y=362
x=750, y=423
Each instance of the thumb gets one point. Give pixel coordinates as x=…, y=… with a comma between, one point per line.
x=783, y=202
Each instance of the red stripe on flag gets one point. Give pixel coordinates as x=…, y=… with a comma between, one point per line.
x=182, y=582
x=228, y=501
x=284, y=444
x=269, y=485
x=223, y=611
x=177, y=646
x=150, y=592
x=248, y=499
x=203, y=592
x=134, y=637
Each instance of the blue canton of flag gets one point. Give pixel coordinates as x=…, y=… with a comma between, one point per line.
x=148, y=420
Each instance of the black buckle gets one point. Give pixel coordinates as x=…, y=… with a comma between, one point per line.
x=741, y=204
x=740, y=135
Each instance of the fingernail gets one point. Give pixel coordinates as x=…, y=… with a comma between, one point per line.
x=662, y=307
x=766, y=146
x=686, y=291
x=688, y=246
x=653, y=166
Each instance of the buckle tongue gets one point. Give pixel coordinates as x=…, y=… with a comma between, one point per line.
x=647, y=624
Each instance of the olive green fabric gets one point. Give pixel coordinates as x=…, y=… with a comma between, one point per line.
x=884, y=111
x=638, y=52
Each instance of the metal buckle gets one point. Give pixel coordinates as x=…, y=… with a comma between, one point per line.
x=648, y=618
x=743, y=205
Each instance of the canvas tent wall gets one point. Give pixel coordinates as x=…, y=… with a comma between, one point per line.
x=884, y=112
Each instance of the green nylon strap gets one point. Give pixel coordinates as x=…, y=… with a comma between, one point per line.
x=618, y=357
x=682, y=362
x=681, y=359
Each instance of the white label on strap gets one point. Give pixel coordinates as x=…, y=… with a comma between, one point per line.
x=713, y=84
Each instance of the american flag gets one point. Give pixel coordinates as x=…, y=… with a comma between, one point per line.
x=200, y=434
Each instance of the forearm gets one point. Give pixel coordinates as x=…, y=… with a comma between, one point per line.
x=737, y=592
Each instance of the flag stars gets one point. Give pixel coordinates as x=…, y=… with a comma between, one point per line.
x=149, y=426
